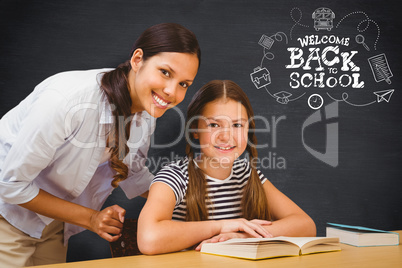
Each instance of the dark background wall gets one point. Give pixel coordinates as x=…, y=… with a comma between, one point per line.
x=361, y=184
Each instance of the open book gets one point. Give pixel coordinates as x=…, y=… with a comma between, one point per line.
x=362, y=236
x=261, y=248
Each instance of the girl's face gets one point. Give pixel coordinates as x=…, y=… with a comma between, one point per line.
x=222, y=132
x=161, y=81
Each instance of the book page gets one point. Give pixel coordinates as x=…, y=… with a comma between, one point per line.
x=309, y=241
x=299, y=241
x=324, y=247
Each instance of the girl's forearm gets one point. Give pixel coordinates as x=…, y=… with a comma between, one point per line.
x=293, y=225
x=169, y=236
x=162, y=236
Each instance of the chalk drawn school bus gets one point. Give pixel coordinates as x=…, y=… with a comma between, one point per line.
x=323, y=19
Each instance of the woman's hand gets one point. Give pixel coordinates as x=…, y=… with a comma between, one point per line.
x=254, y=227
x=108, y=223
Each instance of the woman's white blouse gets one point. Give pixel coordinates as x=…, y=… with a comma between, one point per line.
x=55, y=139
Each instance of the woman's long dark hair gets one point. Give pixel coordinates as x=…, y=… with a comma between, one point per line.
x=254, y=202
x=165, y=37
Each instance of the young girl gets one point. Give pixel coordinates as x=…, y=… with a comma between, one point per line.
x=80, y=134
x=216, y=196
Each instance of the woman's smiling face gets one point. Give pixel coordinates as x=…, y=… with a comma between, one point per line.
x=160, y=82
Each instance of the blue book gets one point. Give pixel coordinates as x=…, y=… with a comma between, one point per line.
x=362, y=236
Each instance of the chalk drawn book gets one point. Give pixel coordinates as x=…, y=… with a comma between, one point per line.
x=262, y=248
x=362, y=236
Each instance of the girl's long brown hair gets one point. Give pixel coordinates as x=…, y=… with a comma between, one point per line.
x=254, y=203
x=164, y=37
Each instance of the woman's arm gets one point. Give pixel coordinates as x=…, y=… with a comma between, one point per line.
x=158, y=233
x=288, y=218
x=106, y=223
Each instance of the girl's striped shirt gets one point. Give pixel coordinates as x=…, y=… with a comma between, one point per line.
x=224, y=195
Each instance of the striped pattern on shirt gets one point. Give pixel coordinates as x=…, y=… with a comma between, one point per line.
x=225, y=195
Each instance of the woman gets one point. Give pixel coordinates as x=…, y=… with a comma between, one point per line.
x=64, y=148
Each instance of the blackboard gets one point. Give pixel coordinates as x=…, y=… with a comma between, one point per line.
x=350, y=174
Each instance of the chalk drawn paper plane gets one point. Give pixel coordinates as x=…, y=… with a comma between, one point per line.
x=384, y=95
x=282, y=97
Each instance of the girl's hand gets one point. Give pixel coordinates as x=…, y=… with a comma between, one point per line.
x=222, y=237
x=254, y=227
x=108, y=223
